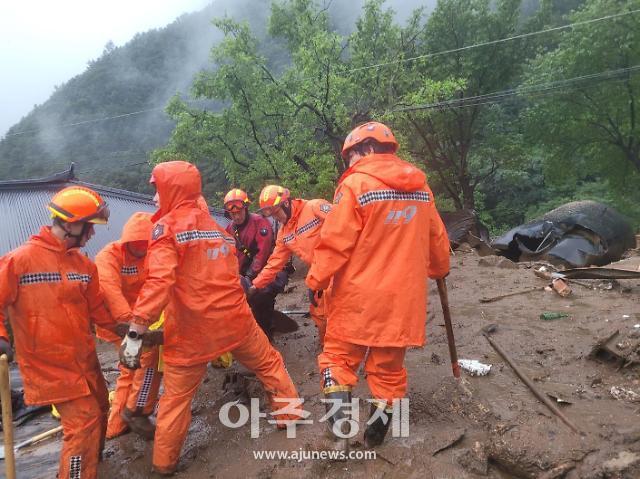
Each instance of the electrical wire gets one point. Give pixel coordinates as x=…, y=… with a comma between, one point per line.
x=493, y=42
x=525, y=90
x=367, y=67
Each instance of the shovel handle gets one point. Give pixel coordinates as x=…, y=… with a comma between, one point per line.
x=7, y=418
x=38, y=437
x=453, y=353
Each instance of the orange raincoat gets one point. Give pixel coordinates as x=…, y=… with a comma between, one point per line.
x=121, y=273
x=121, y=278
x=299, y=236
x=53, y=297
x=382, y=240
x=193, y=275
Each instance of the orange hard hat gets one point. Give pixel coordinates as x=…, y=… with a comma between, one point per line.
x=372, y=130
x=236, y=200
x=77, y=203
x=273, y=195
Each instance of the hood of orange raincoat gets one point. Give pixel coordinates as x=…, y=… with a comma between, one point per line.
x=46, y=239
x=202, y=204
x=137, y=228
x=177, y=183
x=389, y=169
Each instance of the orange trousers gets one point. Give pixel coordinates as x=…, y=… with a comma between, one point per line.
x=384, y=368
x=84, y=422
x=137, y=390
x=182, y=382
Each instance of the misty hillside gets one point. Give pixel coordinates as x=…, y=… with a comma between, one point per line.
x=110, y=117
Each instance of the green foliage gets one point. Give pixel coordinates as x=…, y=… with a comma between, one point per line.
x=591, y=129
x=288, y=84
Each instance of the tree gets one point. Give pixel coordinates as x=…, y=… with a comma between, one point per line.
x=286, y=122
x=463, y=143
x=592, y=125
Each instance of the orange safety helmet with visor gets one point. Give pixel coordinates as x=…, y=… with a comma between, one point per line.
x=271, y=198
x=236, y=200
x=75, y=204
x=372, y=130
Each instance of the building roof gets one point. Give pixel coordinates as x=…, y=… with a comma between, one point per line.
x=23, y=209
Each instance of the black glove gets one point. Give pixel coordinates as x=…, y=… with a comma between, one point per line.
x=277, y=285
x=313, y=295
x=246, y=283
x=5, y=348
x=122, y=329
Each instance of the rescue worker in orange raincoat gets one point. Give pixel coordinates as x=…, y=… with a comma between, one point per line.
x=382, y=240
x=300, y=232
x=53, y=297
x=122, y=267
x=193, y=276
x=254, y=243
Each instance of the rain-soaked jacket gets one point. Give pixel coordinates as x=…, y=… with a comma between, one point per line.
x=381, y=241
x=193, y=271
x=254, y=240
x=121, y=273
x=299, y=236
x=53, y=296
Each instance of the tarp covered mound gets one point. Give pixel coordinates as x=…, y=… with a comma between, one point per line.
x=580, y=233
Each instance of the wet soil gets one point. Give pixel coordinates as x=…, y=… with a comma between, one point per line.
x=487, y=426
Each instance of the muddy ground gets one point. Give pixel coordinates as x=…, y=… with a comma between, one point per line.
x=489, y=426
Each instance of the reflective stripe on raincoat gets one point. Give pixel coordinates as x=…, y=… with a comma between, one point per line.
x=52, y=296
x=299, y=236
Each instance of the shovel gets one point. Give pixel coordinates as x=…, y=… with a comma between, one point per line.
x=31, y=440
x=453, y=353
x=7, y=417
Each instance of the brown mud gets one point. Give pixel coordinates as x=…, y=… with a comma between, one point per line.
x=488, y=426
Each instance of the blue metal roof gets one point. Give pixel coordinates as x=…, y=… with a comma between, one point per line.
x=23, y=210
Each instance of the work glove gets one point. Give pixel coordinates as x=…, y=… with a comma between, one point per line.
x=5, y=348
x=251, y=292
x=246, y=284
x=122, y=329
x=313, y=295
x=153, y=338
x=130, y=350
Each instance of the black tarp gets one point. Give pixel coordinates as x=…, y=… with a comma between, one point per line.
x=463, y=226
x=580, y=233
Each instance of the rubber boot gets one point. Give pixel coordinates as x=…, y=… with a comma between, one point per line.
x=160, y=472
x=376, y=431
x=141, y=425
x=338, y=421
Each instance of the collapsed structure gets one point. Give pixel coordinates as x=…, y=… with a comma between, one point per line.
x=580, y=233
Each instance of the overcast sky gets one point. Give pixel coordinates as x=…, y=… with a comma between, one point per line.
x=45, y=43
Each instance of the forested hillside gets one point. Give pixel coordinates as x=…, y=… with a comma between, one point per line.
x=511, y=107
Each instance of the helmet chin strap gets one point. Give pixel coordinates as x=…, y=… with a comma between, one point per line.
x=286, y=207
x=83, y=232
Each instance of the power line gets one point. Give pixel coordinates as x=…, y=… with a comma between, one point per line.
x=526, y=90
x=96, y=120
x=99, y=168
x=367, y=67
x=493, y=42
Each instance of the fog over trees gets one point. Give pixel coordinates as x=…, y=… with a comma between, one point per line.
x=506, y=113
